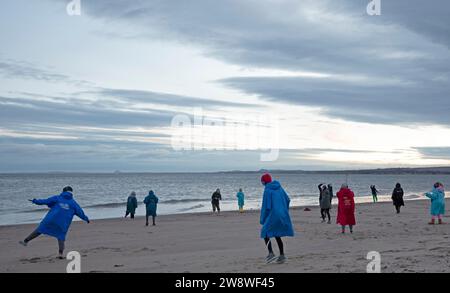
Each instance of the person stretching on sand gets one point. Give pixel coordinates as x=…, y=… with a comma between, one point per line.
x=215, y=201
x=275, y=219
x=346, y=208
x=325, y=203
x=132, y=205
x=240, y=196
x=397, y=197
x=151, y=205
x=437, y=196
x=374, y=193
x=57, y=221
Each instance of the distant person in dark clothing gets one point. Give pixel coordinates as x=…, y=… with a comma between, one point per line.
x=325, y=203
x=397, y=197
x=215, y=201
x=132, y=205
x=374, y=193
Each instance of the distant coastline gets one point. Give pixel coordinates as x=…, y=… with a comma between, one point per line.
x=378, y=171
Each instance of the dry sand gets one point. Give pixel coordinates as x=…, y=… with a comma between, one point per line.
x=230, y=243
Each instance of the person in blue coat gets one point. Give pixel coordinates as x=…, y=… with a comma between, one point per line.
x=240, y=196
x=275, y=219
x=58, y=220
x=151, y=204
x=437, y=196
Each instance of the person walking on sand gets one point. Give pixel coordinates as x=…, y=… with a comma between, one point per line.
x=346, y=208
x=437, y=197
x=132, y=205
x=58, y=220
x=325, y=203
x=374, y=193
x=275, y=219
x=397, y=197
x=240, y=196
x=215, y=201
x=151, y=205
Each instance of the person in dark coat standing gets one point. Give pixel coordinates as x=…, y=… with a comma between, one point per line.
x=132, y=205
x=151, y=205
x=397, y=197
x=325, y=203
x=215, y=201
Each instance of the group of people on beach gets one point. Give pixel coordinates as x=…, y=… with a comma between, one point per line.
x=151, y=205
x=274, y=215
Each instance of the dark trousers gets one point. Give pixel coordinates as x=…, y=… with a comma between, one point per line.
x=128, y=213
x=147, y=217
x=36, y=234
x=279, y=242
x=324, y=213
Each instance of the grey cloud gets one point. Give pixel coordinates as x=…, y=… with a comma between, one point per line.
x=434, y=152
x=401, y=58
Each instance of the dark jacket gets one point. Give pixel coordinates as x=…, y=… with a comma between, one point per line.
x=397, y=197
x=216, y=197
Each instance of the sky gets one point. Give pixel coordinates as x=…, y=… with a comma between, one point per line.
x=193, y=86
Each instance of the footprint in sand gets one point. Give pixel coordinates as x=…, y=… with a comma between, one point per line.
x=38, y=260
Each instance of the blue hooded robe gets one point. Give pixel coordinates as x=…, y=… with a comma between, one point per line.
x=275, y=219
x=62, y=209
x=437, y=197
x=151, y=203
x=240, y=195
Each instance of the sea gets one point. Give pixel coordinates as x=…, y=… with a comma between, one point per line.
x=104, y=196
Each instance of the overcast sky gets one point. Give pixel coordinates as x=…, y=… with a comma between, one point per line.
x=327, y=84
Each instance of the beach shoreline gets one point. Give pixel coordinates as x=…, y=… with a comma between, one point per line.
x=230, y=243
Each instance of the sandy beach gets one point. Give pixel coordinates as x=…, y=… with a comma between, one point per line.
x=230, y=243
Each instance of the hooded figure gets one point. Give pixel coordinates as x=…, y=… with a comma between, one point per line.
x=240, y=196
x=275, y=217
x=132, y=205
x=151, y=204
x=346, y=208
x=397, y=197
x=58, y=220
x=437, y=196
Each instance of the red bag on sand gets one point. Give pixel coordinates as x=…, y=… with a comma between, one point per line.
x=346, y=207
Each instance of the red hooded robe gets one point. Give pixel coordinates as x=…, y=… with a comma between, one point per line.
x=346, y=207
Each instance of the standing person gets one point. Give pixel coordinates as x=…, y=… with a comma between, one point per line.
x=397, y=197
x=437, y=196
x=58, y=220
x=132, y=205
x=325, y=203
x=215, y=201
x=374, y=193
x=346, y=208
x=275, y=219
x=240, y=196
x=151, y=204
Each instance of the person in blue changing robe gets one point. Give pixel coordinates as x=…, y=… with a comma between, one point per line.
x=437, y=197
x=151, y=204
x=58, y=220
x=240, y=196
x=275, y=219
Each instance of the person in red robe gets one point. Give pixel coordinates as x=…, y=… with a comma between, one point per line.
x=346, y=208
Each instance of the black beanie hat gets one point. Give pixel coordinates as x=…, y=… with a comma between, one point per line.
x=67, y=189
